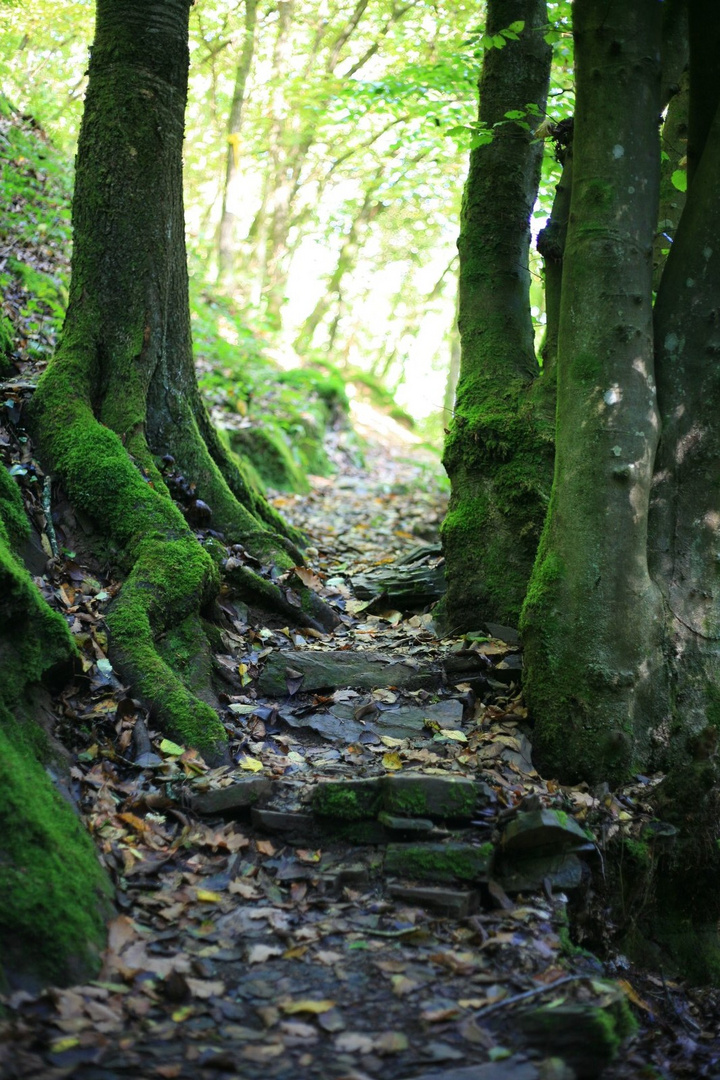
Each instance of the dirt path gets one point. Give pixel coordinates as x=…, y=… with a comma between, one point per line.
x=378, y=887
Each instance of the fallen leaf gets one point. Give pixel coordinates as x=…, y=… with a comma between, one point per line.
x=391, y=1042
x=354, y=1042
x=170, y=748
x=258, y=954
x=250, y=763
x=208, y=897
x=306, y=1005
x=391, y=762
x=205, y=988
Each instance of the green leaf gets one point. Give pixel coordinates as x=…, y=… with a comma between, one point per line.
x=498, y=41
x=171, y=749
x=517, y=27
x=515, y=114
x=679, y=180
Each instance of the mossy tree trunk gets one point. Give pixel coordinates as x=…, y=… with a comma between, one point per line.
x=498, y=452
x=592, y=616
x=121, y=390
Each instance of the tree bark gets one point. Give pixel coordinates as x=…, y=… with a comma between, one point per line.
x=594, y=671
x=498, y=452
x=121, y=390
x=685, y=516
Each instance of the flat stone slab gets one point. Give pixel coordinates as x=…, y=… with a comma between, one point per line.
x=329, y=670
x=493, y=1070
x=457, y=903
x=543, y=831
x=236, y=796
x=338, y=725
x=405, y=824
x=452, y=798
x=439, y=861
x=282, y=820
x=404, y=795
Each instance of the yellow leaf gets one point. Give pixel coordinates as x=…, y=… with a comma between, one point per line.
x=250, y=763
x=452, y=733
x=388, y=740
x=391, y=762
x=295, y=953
x=208, y=896
x=182, y=1014
x=307, y=1005
x=171, y=749
x=64, y=1044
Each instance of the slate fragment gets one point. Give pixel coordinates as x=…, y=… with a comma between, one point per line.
x=362, y=670
x=512, y=1069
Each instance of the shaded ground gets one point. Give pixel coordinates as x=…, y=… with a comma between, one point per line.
x=258, y=936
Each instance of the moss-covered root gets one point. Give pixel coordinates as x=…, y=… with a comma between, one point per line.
x=56, y=897
x=165, y=587
x=299, y=604
x=170, y=575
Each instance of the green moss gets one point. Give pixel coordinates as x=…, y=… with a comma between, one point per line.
x=56, y=897
x=271, y=456
x=439, y=862
x=712, y=711
x=347, y=800
x=14, y=525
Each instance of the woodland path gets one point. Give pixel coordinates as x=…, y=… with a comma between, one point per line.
x=258, y=936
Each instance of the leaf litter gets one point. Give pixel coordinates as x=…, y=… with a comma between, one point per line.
x=257, y=937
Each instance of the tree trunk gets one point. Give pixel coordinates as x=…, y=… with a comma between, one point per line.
x=121, y=390
x=591, y=620
x=498, y=452
x=231, y=191
x=685, y=517
x=55, y=894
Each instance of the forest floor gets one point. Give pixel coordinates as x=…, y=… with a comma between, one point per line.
x=268, y=929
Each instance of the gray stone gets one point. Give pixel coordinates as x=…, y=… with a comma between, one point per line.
x=456, y=903
x=439, y=861
x=510, y=1069
x=362, y=670
x=526, y=875
x=451, y=798
x=282, y=820
x=542, y=832
x=405, y=824
x=237, y=796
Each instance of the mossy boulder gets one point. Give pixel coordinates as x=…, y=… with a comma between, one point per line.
x=439, y=861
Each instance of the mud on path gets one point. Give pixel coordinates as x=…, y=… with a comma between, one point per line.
x=380, y=884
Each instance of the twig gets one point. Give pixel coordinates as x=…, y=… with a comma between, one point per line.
x=535, y=992
x=47, y=508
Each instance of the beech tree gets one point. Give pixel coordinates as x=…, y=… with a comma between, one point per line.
x=118, y=416
x=619, y=613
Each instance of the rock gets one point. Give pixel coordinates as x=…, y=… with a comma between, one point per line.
x=362, y=670
x=512, y=1069
x=237, y=796
x=348, y=800
x=282, y=821
x=542, y=832
x=504, y=633
x=405, y=824
x=586, y=1036
x=440, y=798
x=525, y=875
x=439, y=861
x=339, y=725
x=455, y=903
